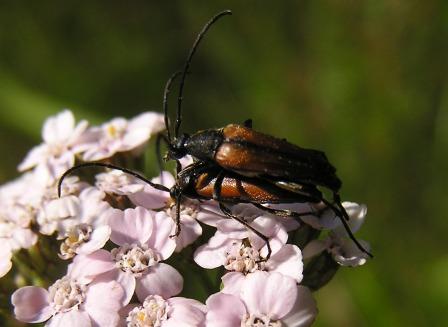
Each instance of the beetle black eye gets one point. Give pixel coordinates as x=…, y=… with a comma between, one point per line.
x=177, y=149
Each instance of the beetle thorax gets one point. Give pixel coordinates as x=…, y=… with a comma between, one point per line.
x=203, y=145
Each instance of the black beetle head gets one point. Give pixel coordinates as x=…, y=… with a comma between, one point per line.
x=175, y=192
x=177, y=148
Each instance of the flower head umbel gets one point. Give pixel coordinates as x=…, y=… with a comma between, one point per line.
x=128, y=245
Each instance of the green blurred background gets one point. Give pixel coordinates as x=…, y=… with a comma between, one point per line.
x=365, y=81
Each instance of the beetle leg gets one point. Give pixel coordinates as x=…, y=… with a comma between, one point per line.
x=183, y=178
x=228, y=213
x=217, y=186
x=177, y=221
x=178, y=167
x=287, y=213
x=343, y=217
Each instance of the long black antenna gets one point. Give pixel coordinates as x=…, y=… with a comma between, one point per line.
x=187, y=65
x=165, y=102
x=106, y=165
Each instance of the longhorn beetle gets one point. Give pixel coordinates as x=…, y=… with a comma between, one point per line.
x=235, y=164
x=245, y=152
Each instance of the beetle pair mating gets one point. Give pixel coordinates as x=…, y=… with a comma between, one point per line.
x=236, y=164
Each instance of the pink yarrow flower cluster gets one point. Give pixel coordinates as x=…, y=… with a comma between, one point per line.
x=126, y=265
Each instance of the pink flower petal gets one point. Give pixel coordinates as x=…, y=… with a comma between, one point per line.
x=180, y=323
x=187, y=302
x=128, y=283
x=190, y=231
x=135, y=226
x=162, y=279
x=271, y=228
x=269, y=294
x=212, y=254
x=210, y=214
x=232, y=228
x=161, y=240
x=287, y=261
x=224, y=310
x=98, y=238
x=187, y=311
x=233, y=281
x=72, y=318
x=150, y=198
x=277, y=239
x=103, y=301
x=86, y=267
x=304, y=311
x=31, y=304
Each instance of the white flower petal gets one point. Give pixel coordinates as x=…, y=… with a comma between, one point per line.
x=35, y=156
x=348, y=254
x=57, y=129
x=5, y=259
